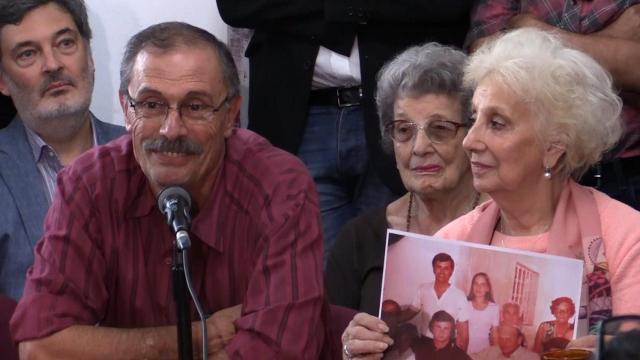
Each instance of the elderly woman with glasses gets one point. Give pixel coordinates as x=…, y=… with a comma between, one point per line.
x=556, y=334
x=543, y=114
x=424, y=114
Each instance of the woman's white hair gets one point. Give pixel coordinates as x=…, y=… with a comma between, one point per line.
x=571, y=94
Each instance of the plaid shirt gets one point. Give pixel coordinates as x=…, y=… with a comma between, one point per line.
x=578, y=16
x=584, y=17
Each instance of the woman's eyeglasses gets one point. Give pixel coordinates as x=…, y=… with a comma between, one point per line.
x=438, y=131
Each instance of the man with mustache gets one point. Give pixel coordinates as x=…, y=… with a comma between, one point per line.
x=47, y=70
x=101, y=282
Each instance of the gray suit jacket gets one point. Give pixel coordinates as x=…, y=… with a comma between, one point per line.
x=24, y=202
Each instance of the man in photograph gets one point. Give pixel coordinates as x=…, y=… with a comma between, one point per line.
x=511, y=316
x=509, y=346
x=443, y=345
x=441, y=295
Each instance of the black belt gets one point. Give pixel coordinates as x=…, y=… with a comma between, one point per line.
x=615, y=170
x=336, y=96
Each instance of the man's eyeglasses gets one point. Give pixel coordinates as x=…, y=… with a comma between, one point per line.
x=619, y=338
x=193, y=111
x=438, y=131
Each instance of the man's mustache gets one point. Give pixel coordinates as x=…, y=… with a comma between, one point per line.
x=53, y=77
x=180, y=145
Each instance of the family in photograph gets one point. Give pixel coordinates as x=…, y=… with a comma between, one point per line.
x=443, y=319
x=430, y=317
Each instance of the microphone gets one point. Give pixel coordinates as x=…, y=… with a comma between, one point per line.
x=175, y=203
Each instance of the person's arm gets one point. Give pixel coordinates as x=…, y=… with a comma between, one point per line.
x=462, y=337
x=220, y=331
x=489, y=18
x=493, y=336
x=537, y=343
x=622, y=251
x=96, y=342
x=281, y=314
x=619, y=55
x=407, y=313
x=342, y=276
x=626, y=26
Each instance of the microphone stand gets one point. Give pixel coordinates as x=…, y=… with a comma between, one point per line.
x=175, y=203
x=180, y=295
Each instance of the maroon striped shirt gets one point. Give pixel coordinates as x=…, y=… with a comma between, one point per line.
x=105, y=256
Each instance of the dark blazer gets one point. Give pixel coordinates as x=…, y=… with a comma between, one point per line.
x=7, y=110
x=24, y=202
x=288, y=34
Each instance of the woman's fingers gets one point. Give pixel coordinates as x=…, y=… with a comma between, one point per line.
x=361, y=333
x=365, y=337
x=370, y=322
x=365, y=347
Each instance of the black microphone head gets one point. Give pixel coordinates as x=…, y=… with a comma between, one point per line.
x=175, y=203
x=173, y=193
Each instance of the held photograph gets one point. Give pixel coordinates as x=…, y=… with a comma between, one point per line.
x=451, y=300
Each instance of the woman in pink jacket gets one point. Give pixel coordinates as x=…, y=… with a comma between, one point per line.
x=543, y=114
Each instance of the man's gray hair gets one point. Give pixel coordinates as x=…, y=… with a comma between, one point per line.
x=174, y=35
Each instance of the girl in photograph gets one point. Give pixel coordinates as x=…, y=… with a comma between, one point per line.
x=484, y=313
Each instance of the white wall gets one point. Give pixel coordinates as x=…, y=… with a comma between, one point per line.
x=114, y=21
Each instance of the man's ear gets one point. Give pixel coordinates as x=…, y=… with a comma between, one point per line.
x=233, y=116
x=126, y=110
x=4, y=89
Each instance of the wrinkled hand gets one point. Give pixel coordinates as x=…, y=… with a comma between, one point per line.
x=626, y=26
x=221, y=329
x=365, y=337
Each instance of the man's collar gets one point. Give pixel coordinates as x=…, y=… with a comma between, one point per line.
x=38, y=145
